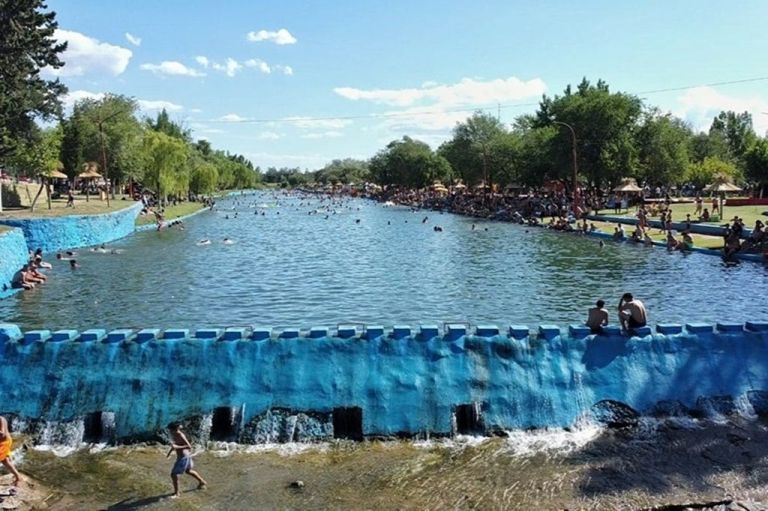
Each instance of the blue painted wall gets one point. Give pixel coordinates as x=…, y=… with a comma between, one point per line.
x=402, y=385
x=13, y=255
x=59, y=233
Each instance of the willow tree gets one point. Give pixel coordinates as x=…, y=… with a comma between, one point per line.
x=166, y=169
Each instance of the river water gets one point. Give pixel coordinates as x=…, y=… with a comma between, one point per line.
x=298, y=262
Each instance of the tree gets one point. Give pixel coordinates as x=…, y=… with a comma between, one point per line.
x=348, y=170
x=474, y=148
x=604, y=123
x=756, y=163
x=704, y=173
x=409, y=163
x=39, y=156
x=736, y=131
x=166, y=158
x=26, y=46
x=662, y=143
x=164, y=124
x=203, y=177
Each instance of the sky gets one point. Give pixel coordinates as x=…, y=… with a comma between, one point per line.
x=300, y=83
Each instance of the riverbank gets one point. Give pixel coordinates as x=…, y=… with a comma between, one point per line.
x=646, y=467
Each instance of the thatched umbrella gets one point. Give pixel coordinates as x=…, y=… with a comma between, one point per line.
x=628, y=185
x=89, y=172
x=721, y=183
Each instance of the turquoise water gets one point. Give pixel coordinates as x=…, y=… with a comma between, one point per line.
x=291, y=269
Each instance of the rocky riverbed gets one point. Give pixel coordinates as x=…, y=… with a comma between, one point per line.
x=662, y=465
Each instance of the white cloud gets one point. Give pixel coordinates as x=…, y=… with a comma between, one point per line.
x=324, y=134
x=268, y=135
x=74, y=96
x=231, y=118
x=466, y=92
x=172, y=68
x=700, y=105
x=259, y=64
x=230, y=67
x=147, y=105
x=203, y=61
x=309, y=123
x=136, y=41
x=287, y=70
x=425, y=118
x=88, y=55
x=280, y=37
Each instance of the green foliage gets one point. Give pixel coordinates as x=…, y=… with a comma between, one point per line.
x=706, y=172
x=167, y=157
x=344, y=171
x=164, y=124
x=26, y=46
x=662, y=142
x=203, y=177
x=756, y=161
x=410, y=163
x=736, y=131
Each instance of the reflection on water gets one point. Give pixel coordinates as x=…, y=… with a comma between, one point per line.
x=291, y=269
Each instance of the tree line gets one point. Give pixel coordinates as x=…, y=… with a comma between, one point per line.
x=104, y=135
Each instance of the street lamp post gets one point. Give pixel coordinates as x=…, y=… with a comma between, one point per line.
x=575, y=160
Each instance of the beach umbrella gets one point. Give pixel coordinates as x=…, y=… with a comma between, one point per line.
x=57, y=174
x=89, y=172
x=460, y=186
x=722, y=187
x=628, y=185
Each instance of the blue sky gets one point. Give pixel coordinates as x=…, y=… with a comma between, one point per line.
x=342, y=79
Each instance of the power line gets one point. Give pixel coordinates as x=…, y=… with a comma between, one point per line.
x=408, y=115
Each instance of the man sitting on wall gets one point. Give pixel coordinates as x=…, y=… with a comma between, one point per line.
x=597, y=317
x=632, y=313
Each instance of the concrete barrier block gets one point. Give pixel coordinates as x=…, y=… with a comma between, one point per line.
x=374, y=332
x=119, y=335
x=429, y=331
x=486, y=330
x=289, y=333
x=147, y=334
x=209, y=333
x=669, y=328
x=261, y=334
x=757, y=326
x=234, y=334
x=549, y=332
x=642, y=331
x=729, y=328
x=519, y=331
x=93, y=335
x=699, y=328
x=318, y=332
x=456, y=331
x=176, y=334
x=401, y=331
x=64, y=335
x=577, y=331
x=346, y=331
x=10, y=332
x=37, y=335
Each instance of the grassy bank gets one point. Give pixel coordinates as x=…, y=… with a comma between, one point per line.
x=172, y=212
x=59, y=208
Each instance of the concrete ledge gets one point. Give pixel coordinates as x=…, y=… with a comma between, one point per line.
x=64, y=335
x=290, y=333
x=93, y=335
x=643, y=331
x=486, y=330
x=669, y=328
x=37, y=335
x=346, y=331
x=456, y=331
x=261, y=334
x=519, y=331
x=119, y=335
x=147, y=334
x=209, y=333
x=374, y=332
x=318, y=332
x=730, y=328
x=176, y=333
x=401, y=332
x=234, y=334
x=429, y=332
x=699, y=328
x=10, y=332
x=757, y=326
x=549, y=332
x=577, y=331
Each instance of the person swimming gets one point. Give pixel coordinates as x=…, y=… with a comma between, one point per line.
x=228, y=241
x=203, y=242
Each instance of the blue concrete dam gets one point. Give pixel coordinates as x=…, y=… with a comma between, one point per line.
x=253, y=385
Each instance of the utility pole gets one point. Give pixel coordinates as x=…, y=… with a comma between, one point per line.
x=575, y=161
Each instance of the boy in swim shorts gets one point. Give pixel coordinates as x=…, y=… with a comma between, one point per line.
x=6, y=442
x=183, y=465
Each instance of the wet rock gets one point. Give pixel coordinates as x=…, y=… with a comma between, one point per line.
x=716, y=405
x=614, y=414
x=759, y=401
x=670, y=408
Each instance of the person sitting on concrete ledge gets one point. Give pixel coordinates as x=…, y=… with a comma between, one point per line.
x=618, y=232
x=22, y=279
x=672, y=243
x=704, y=216
x=632, y=313
x=35, y=274
x=597, y=317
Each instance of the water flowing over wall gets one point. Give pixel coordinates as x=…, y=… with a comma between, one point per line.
x=13, y=255
x=260, y=386
x=59, y=233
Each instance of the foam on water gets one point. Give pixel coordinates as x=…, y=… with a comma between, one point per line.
x=552, y=440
